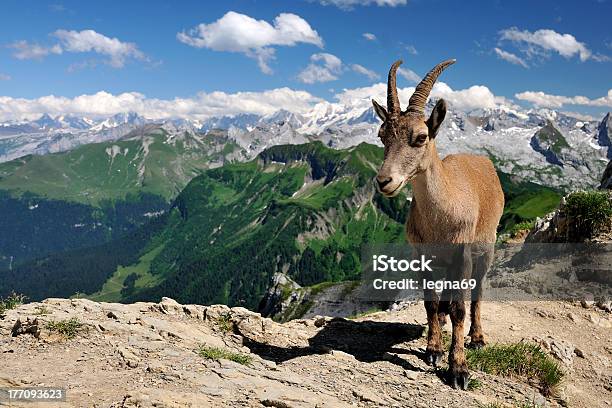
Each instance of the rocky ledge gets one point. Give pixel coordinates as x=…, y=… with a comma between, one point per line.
x=171, y=355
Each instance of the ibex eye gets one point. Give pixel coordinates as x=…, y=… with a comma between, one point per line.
x=420, y=139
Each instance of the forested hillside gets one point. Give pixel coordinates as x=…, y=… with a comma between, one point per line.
x=301, y=209
x=98, y=192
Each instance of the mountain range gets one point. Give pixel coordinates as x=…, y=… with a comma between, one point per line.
x=127, y=208
x=524, y=143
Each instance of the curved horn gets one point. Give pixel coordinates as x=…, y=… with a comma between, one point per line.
x=393, y=104
x=421, y=93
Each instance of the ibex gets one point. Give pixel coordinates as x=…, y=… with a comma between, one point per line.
x=457, y=200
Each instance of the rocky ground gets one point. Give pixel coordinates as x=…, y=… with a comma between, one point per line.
x=144, y=355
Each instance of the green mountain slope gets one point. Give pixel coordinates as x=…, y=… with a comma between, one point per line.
x=301, y=209
x=150, y=161
x=100, y=191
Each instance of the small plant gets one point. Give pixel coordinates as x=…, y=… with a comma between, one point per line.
x=41, y=310
x=365, y=313
x=216, y=353
x=516, y=404
x=67, y=328
x=224, y=322
x=521, y=226
x=590, y=210
x=12, y=301
x=474, y=384
x=526, y=404
x=520, y=359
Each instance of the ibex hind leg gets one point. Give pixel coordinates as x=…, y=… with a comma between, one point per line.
x=481, y=267
x=458, y=374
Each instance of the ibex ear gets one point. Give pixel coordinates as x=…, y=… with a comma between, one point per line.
x=380, y=111
x=436, y=118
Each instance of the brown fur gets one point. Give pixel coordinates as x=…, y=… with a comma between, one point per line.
x=457, y=200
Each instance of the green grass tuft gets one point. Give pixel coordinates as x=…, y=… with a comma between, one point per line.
x=521, y=226
x=41, y=310
x=590, y=210
x=67, y=328
x=365, y=313
x=474, y=384
x=520, y=359
x=216, y=353
x=224, y=323
x=12, y=301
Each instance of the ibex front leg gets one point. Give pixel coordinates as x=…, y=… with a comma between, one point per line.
x=457, y=364
x=435, y=351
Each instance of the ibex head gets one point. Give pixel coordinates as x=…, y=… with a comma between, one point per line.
x=407, y=135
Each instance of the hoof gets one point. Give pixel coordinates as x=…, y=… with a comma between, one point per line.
x=476, y=344
x=433, y=358
x=459, y=378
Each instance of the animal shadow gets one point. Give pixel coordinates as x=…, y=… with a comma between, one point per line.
x=367, y=341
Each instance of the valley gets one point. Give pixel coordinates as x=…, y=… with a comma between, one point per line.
x=304, y=210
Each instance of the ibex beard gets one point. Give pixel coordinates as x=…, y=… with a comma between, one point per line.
x=457, y=201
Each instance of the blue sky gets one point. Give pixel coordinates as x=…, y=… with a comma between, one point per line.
x=560, y=48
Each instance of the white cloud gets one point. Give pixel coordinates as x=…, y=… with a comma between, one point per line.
x=360, y=69
x=4, y=77
x=201, y=106
x=510, y=57
x=474, y=97
x=545, y=100
x=349, y=4
x=91, y=41
x=579, y=116
x=235, y=32
x=323, y=67
x=81, y=41
x=541, y=42
x=411, y=49
x=369, y=36
x=26, y=50
x=408, y=74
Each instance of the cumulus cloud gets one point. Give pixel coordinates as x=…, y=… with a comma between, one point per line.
x=201, y=106
x=235, y=32
x=78, y=42
x=544, y=100
x=209, y=104
x=350, y=4
x=360, y=69
x=90, y=41
x=26, y=50
x=323, y=67
x=474, y=97
x=408, y=74
x=510, y=57
x=369, y=36
x=542, y=42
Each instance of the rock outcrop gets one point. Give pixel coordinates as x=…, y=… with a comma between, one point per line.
x=606, y=178
x=550, y=142
x=604, y=133
x=171, y=355
x=282, y=293
x=567, y=223
x=286, y=300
